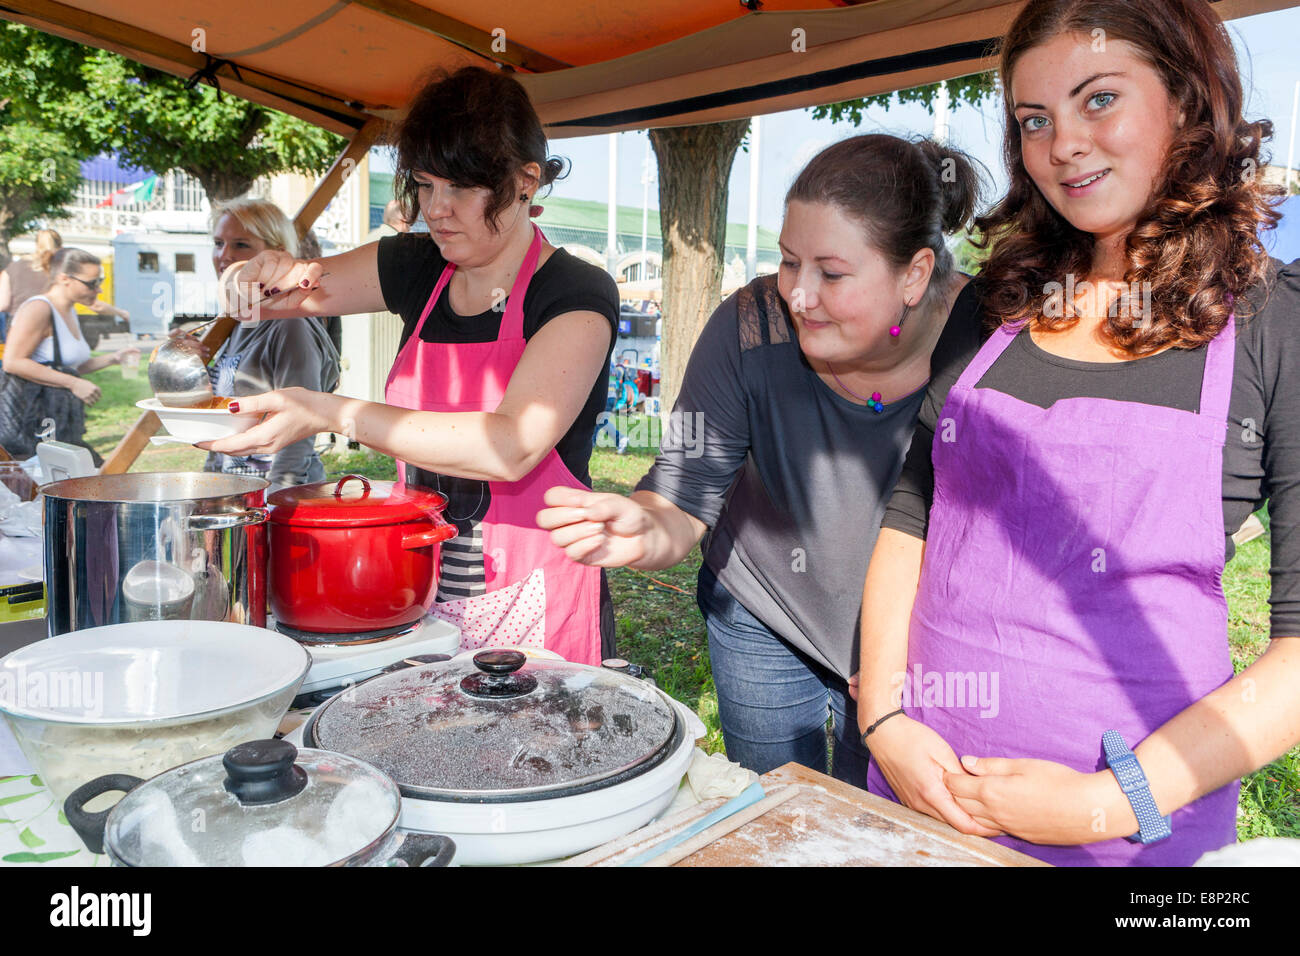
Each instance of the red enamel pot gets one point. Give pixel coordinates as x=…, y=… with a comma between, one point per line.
x=346, y=560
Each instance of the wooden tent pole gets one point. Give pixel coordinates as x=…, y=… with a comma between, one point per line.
x=146, y=426
x=344, y=166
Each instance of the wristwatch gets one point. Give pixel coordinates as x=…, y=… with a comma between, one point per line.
x=1124, y=765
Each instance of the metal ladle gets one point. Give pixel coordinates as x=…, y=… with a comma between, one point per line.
x=178, y=372
x=178, y=369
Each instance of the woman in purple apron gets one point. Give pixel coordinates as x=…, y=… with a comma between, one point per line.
x=1068, y=603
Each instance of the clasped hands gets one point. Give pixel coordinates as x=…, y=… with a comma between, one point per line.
x=1035, y=800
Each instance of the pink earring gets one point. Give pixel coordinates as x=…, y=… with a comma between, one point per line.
x=897, y=330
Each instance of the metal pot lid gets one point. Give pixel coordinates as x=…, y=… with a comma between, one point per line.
x=500, y=728
x=262, y=803
x=200, y=489
x=364, y=504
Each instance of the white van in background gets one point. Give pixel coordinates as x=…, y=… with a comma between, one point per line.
x=158, y=276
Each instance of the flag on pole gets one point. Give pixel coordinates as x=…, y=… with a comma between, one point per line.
x=141, y=192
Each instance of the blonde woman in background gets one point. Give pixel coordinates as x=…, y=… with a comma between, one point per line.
x=260, y=357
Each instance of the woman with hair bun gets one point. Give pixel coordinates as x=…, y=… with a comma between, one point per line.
x=24, y=278
x=797, y=406
x=501, y=371
x=1044, y=629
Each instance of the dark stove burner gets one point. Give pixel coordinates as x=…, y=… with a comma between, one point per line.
x=314, y=638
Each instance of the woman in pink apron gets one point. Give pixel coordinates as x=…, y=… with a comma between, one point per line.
x=1062, y=679
x=494, y=393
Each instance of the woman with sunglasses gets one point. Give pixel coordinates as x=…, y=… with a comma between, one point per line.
x=47, y=355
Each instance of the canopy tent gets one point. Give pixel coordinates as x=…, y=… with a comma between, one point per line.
x=591, y=66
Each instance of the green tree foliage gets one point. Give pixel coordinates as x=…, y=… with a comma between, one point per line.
x=39, y=175
x=153, y=121
x=39, y=162
x=77, y=102
x=973, y=89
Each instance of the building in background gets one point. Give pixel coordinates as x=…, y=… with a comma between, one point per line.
x=580, y=227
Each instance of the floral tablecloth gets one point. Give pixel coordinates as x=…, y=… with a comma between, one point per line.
x=33, y=830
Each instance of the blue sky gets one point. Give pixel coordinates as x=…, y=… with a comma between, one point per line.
x=1266, y=49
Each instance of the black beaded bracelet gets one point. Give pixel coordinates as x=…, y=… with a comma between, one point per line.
x=870, y=730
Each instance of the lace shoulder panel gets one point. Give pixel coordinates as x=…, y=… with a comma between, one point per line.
x=763, y=316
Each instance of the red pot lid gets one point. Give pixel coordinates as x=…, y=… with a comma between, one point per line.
x=354, y=501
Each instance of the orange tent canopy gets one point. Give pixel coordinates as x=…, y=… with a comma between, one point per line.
x=591, y=66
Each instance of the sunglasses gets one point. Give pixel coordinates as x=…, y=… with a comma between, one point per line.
x=89, y=285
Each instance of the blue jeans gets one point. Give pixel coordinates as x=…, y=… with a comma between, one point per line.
x=773, y=700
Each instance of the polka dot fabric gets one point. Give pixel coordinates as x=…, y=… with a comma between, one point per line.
x=513, y=616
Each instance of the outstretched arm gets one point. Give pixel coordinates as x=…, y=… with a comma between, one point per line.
x=548, y=389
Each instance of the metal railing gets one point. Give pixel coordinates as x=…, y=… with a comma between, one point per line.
x=176, y=190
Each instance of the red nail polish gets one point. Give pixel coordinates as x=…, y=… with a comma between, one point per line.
x=275, y=291
x=234, y=408
x=305, y=283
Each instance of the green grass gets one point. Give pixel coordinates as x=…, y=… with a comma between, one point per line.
x=1270, y=797
x=660, y=628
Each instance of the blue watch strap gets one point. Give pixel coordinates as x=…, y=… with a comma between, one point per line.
x=1124, y=765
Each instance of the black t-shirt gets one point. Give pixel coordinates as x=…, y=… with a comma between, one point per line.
x=409, y=267
x=1261, y=458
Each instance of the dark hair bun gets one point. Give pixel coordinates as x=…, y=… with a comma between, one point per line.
x=906, y=193
x=959, y=184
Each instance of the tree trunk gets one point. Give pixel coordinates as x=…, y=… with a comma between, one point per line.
x=694, y=173
x=10, y=211
x=220, y=184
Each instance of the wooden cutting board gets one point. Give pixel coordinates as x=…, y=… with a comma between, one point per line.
x=825, y=823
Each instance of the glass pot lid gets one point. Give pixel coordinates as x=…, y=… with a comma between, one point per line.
x=500, y=727
x=262, y=803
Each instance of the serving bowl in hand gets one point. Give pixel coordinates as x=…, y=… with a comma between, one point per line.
x=199, y=424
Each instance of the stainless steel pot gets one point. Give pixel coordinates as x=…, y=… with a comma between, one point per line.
x=119, y=548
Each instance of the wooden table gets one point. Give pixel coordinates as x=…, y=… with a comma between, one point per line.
x=824, y=823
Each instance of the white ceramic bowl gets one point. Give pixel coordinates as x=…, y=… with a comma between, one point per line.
x=142, y=698
x=199, y=424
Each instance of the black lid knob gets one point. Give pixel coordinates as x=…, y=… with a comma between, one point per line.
x=263, y=771
x=497, y=677
x=499, y=661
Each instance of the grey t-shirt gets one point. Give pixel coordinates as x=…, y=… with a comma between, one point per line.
x=790, y=477
x=268, y=355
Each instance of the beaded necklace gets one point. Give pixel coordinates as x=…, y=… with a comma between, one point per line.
x=874, y=402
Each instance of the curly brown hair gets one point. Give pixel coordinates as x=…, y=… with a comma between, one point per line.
x=1196, y=246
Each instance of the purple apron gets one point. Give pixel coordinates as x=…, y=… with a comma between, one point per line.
x=1072, y=585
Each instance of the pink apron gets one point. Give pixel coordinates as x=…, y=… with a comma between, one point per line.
x=535, y=595
x=1072, y=585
